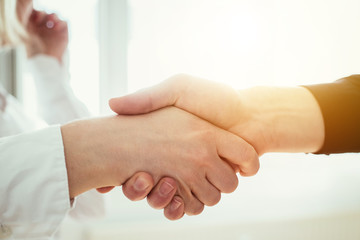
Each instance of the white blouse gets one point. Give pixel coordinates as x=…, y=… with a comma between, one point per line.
x=34, y=193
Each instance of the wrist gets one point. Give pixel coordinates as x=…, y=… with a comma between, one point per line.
x=281, y=120
x=252, y=125
x=75, y=157
x=89, y=157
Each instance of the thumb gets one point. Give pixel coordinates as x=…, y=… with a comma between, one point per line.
x=239, y=153
x=146, y=100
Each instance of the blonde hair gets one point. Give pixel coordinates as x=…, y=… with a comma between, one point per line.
x=12, y=32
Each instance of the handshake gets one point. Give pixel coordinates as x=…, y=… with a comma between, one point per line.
x=182, y=142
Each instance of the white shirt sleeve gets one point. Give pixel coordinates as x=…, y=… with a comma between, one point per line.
x=34, y=193
x=58, y=104
x=56, y=100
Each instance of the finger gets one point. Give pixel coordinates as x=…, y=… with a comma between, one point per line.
x=33, y=16
x=163, y=193
x=51, y=21
x=175, y=210
x=37, y=17
x=160, y=200
x=33, y=21
x=237, y=151
x=207, y=193
x=193, y=206
x=222, y=176
x=138, y=186
x=61, y=27
x=41, y=18
x=52, y=17
x=146, y=100
x=105, y=189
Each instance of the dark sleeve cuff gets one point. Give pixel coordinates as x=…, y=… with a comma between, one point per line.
x=340, y=106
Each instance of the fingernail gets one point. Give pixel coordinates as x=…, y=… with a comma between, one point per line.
x=140, y=184
x=166, y=188
x=175, y=204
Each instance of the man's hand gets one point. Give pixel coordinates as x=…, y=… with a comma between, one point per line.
x=217, y=103
x=47, y=35
x=211, y=101
x=270, y=119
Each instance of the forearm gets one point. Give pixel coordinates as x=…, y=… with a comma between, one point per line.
x=281, y=120
x=75, y=157
x=89, y=155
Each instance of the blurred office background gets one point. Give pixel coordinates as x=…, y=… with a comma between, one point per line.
x=119, y=46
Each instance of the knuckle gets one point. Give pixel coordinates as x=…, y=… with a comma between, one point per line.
x=196, y=210
x=201, y=157
x=214, y=199
x=250, y=167
x=251, y=170
x=250, y=163
x=179, y=81
x=232, y=183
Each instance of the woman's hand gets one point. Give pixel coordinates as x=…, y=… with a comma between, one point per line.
x=165, y=143
x=47, y=35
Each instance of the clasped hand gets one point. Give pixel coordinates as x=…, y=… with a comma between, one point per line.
x=195, y=161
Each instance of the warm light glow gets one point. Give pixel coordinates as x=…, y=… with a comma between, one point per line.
x=244, y=43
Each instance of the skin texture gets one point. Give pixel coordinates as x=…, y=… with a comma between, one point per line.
x=270, y=119
x=166, y=143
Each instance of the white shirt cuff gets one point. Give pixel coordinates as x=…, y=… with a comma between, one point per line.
x=34, y=192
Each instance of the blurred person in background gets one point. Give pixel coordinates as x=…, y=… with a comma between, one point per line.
x=46, y=39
